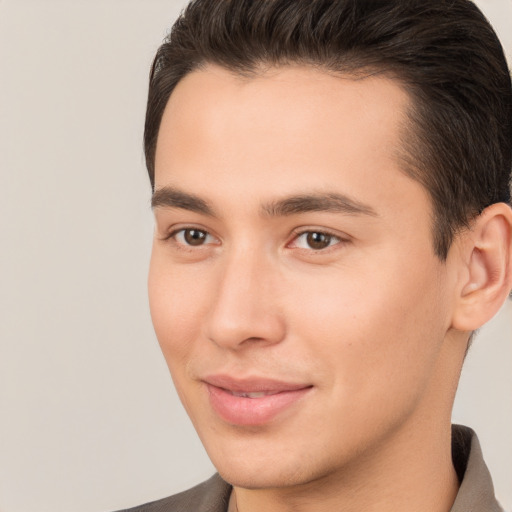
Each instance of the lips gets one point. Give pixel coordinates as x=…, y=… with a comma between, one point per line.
x=254, y=401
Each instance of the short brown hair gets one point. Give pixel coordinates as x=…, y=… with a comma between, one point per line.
x=444, y=52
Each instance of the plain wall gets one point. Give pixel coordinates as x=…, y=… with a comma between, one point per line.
x=88, y=417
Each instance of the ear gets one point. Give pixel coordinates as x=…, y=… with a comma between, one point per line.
x=486, y=279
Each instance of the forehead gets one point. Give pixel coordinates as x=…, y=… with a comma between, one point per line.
x=214, y=102
x=291, y=127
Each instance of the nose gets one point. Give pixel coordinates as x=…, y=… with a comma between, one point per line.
x=246, y=310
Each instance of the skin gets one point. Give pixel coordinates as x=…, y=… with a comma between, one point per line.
x=367, y=321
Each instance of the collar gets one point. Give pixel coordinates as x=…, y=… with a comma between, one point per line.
x=476, y=492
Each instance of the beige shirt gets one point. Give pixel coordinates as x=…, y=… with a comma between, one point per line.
x=476, y=493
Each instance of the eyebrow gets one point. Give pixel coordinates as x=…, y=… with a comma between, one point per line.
x=321, y=202
x=170, y=197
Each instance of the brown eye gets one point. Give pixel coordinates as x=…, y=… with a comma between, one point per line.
x=317, y=240
x=193, y=239
x=194, y=236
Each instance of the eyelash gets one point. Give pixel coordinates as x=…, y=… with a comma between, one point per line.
x=336, y=239
x=183, y=245
x=172, y=236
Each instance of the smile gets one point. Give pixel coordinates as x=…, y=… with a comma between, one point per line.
x=253, y=402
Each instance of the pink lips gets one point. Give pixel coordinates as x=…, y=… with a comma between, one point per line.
x=252, y=401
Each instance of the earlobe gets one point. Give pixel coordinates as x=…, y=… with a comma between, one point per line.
x=487, y=278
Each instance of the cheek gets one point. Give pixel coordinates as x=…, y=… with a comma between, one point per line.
x=374, y=330
x=375, y=351
x=177, y=301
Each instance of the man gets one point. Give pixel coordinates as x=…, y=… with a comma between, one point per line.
x=331, y=193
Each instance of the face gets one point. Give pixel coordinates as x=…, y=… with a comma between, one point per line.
x=293, y=285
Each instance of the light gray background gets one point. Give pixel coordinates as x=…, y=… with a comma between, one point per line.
x=88, y=418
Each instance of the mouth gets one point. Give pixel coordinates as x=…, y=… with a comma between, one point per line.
x=252, y=402
x=256, y=394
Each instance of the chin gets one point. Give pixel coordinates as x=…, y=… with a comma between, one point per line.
x=264, y=479
x=265, y=471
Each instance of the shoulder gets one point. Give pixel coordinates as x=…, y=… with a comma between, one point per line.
x=209, y=496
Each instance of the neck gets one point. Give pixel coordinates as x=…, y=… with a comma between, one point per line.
x=408, y=473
